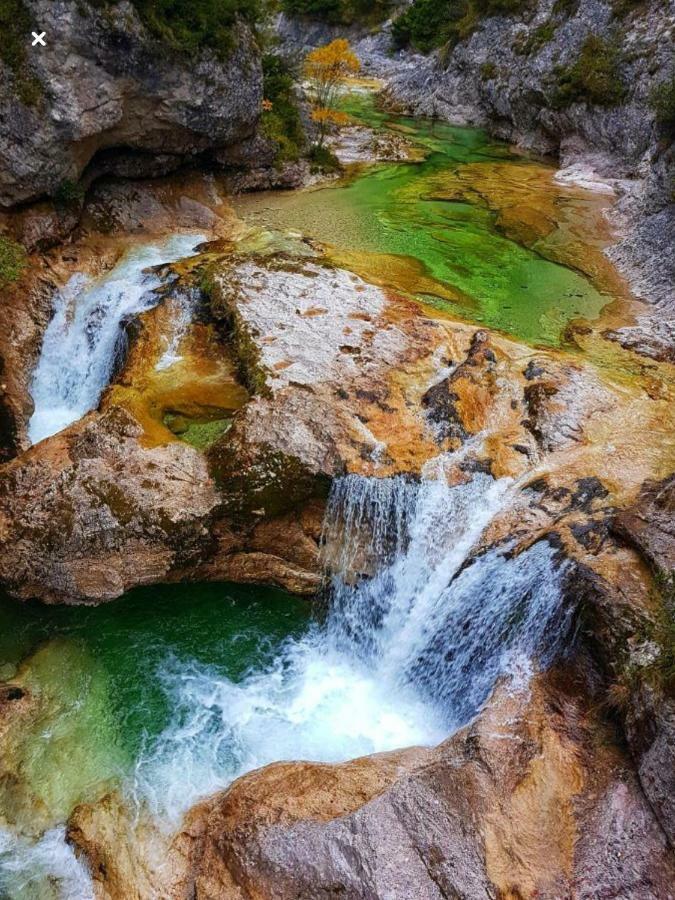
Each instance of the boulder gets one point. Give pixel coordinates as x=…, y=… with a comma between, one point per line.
x=535, y=798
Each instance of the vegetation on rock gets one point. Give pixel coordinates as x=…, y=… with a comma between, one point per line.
x=339, y=12
x=281, y=120
x=594, y=78
x=15, y=22
x=323, y=160
x=12, y=261
x=69, y=194
x=663, y=102
x=536, y=39
x=190, y=25
x=429, y=24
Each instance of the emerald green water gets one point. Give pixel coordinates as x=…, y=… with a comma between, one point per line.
x=96, y=674
x=394, y=209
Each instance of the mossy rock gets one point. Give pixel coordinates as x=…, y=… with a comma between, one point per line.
x=262, y=481
x=13, y=261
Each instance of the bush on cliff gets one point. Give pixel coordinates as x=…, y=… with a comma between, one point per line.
x=339, y=12
x=12, y=261
x=663, y=103
x=429, y=24
x=15, y=25
x=189, y=25
x=594, y=78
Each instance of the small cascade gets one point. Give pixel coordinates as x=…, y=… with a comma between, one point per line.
x=430, y=617
x=408, y=651
x=184, y=303
x=85, y=339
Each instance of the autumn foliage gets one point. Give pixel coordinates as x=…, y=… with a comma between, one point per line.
x=326, y=68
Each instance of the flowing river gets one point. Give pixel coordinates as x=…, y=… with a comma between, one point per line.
x=172, y=692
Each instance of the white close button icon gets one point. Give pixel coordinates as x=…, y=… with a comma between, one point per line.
x=38, y=38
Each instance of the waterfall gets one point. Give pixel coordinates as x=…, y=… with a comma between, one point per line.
x=426, y=619
x=85, y=337
x=407, y=652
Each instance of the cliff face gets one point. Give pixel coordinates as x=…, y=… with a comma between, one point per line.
x=106, y=96
x=514, y=76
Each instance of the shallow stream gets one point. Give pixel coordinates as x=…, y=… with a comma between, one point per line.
x=171, y=692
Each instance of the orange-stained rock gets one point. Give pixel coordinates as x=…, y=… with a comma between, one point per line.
x=535, y=799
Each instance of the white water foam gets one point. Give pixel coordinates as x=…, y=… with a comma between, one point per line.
x=43, y=869
x=403, y=658
x=83, y=341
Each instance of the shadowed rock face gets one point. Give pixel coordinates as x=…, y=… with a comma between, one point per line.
x=650, y=526
x=534, y=799
x=103, y=84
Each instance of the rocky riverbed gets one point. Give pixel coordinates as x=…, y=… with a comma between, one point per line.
x=420, y=398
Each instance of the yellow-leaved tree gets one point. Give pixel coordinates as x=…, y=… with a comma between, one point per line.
x=326, y=69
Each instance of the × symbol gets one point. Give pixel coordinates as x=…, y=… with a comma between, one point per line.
x=38, y=38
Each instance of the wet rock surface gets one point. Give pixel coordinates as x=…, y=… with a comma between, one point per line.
x=554, y=815
x=650, y=526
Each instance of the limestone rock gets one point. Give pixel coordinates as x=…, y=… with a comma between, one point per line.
x=650, y=525
x=557, y=815
x=105, y=83
x=93, y=512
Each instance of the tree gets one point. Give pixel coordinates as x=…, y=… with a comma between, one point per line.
x=326, y=68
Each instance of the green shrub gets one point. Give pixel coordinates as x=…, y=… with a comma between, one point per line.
x=594, y=78
x=488, y=71
x=15, y=28
x=190, y=25
x=69, y=194
x=621, y=8
x=429, y=24
x=340, y=12
x=565, y=8
x=663, y=104
x=12, y=261
x=323, y=160
x=282, y=122
x=536, y=39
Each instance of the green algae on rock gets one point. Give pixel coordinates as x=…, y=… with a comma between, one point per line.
x=383, y=215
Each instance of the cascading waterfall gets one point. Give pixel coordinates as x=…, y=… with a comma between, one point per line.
x=83, y=341
x=417, y=631
x=405, y=655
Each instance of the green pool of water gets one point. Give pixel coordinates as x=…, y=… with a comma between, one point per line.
x=391, y=209
x=95, y=673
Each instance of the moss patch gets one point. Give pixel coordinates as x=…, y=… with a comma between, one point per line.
x=13, y=261
x=594, y=78
x=199, y=434
x=261, y=480
x=488, y=71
